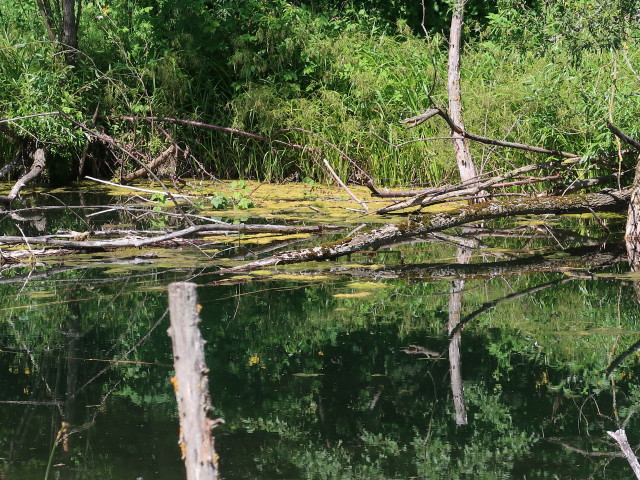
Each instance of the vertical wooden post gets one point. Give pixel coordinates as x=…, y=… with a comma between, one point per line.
x=191, y=384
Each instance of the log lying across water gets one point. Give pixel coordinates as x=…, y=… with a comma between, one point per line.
x=609, y=200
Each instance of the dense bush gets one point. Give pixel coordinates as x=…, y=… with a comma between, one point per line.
x=335, y=75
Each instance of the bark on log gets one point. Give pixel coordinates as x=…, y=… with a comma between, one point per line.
x=191, y=384
x=427, y=223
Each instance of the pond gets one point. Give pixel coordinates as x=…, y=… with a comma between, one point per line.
x=501, y=351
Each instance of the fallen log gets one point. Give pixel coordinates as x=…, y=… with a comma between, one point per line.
x=79, y=239
x=39, y=163
x=421, y=224
x=153, y=165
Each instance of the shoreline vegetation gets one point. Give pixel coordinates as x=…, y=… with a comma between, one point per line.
x=278, y=91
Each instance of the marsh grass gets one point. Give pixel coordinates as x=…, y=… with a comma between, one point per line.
x=357, y=84
x=348, y=79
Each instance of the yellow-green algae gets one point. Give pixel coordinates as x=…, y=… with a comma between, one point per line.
x=353, y=295
x=289, y=202
x=366, y=285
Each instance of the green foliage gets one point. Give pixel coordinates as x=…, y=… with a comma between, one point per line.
x=328, y=75
x=239, y=198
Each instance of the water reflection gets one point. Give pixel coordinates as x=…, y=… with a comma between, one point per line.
x=364, y=373
x=463, y=256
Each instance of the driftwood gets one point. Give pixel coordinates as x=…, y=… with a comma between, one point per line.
x=191, y=384
x=427, y=223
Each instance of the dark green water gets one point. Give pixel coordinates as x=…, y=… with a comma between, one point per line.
x=327, y=378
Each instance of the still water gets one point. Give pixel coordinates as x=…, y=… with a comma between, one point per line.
x=340, y=370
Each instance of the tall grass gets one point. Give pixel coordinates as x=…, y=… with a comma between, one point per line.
x=342, y=81
x=360, y=82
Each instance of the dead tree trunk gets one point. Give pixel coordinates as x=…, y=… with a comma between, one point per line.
x=620, y=437
x=191, y=384
x=632, y=232
x=463, y=156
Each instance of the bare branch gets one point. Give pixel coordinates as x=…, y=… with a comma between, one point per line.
x=623, y=136
x=480, y=139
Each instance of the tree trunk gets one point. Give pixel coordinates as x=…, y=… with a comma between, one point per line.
x=61, y=19
x=455, y=360
x=620, y=436
x=632, y=233
x=70, y=30
x=463, y=156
